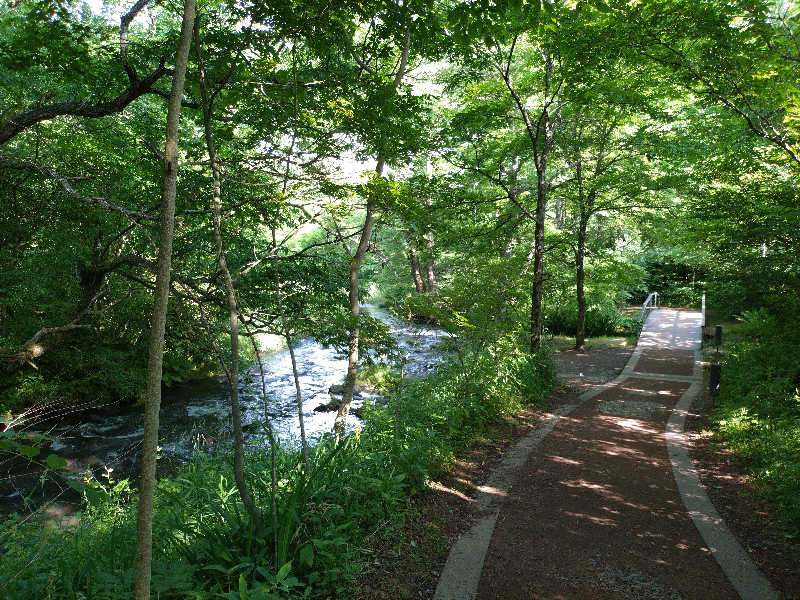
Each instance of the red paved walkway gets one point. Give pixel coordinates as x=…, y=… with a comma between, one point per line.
x=594, y=511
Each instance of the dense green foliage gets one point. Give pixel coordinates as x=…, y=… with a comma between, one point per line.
x=354, y=495
x=759, y=412
x=528, y=164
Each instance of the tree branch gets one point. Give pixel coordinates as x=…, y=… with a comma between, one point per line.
x=53, y=174
x=137, y=87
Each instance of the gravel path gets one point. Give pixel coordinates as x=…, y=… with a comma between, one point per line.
x=585, y=370
x=594, y=511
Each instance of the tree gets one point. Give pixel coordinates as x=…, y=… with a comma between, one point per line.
x=34, y=27
x=603, y=151
x=531, y=50
x=741, y=55
x=232, y=372
x=363, y=243
x=144, y=531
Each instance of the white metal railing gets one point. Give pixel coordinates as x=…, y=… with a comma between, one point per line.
x=703, y=312
x=650, y=304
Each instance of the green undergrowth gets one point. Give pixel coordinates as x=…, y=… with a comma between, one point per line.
x=602, y=319
x=759, y=409
x=206, y=546
x=565, y=342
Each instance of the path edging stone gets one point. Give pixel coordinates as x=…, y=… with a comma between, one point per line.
x=461, y=574
x=734, y=561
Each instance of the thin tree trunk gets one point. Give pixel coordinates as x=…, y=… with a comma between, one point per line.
x=430, y=275
x=284, y=323
x=299, y=401
x=352, y=354
x=538, y=267
x=561, y=213
x=580, y=253
x=413, y=262
x=355, y=268
x=144, y=528
x=233, y=310
x=288, y=337
x=273, y=452
x=541, y=136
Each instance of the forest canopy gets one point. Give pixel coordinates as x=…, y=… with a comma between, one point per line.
x=509, y=171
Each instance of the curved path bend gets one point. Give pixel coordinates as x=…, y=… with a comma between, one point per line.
x=601, y=500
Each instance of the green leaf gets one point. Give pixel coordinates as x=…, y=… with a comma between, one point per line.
x=215, y=567
x=78, y=486
x=242, y=587
x=307, y=555
x=283, y=572
x=54, y=461
x=28, y=451
x=95, y=495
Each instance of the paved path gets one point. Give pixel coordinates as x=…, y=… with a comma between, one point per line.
x=601, y=499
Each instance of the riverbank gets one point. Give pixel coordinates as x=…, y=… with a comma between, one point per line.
x=355, y=492
x=195, y=416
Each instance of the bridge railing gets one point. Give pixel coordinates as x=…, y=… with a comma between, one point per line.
x=650, y=304
x=703, y=313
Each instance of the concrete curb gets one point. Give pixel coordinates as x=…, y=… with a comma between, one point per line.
x=734, y=561
x=461, y=575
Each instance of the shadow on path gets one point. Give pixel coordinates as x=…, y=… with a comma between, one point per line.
x=594, y=502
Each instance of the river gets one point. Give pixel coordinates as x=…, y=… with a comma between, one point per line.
x=196, y=416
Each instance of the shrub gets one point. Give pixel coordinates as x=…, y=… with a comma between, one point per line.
x=428, y=420
x=601, y=319
x=759, y=412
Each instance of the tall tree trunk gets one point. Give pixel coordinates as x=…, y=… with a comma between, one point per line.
x=230, y=292
x=430, y=275
x=144, y=528
x=580, y=253
x=355, y=268
x=541, y=136
x=352, y=354
x=413, y=262
x=537, y=288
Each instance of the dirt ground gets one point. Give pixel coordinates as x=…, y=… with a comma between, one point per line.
x=584, y=370
x=408, y=566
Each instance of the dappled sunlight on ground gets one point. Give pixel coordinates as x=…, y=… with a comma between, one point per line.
x=435, y=485
x=600, y=507
x=602, y=521
x=564, y=460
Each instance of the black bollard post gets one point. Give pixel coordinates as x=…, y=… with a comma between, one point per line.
x=718, y=336
x=716, y=374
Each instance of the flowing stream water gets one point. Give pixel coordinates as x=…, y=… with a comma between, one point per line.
x=196, y=415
